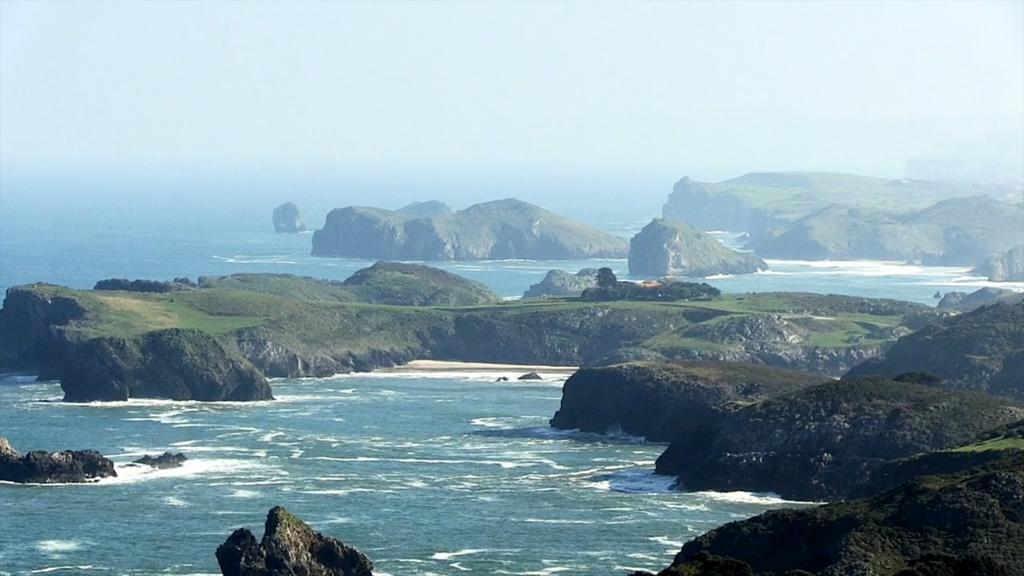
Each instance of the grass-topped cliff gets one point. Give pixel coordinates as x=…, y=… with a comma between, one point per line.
x=501, y=229
x=289, y=326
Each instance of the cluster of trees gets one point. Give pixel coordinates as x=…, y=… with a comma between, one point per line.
x=609, y=288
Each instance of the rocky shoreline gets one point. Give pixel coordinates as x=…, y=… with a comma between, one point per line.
x=40, y=467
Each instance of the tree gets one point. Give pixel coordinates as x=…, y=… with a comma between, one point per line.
x=606, y=278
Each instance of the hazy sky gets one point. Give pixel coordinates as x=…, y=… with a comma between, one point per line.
x=566, y=91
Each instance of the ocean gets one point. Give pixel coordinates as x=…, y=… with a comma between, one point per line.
x=426, y=473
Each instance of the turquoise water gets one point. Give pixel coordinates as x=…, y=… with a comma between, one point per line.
x=427, y=475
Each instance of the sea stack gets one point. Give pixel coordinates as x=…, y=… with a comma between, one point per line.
x=288, y=219
x=669, y=248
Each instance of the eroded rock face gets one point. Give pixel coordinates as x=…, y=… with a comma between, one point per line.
x=669, y=248
x=289, y=548
x=1005, y=267
x=288, y=219
x=39, y=467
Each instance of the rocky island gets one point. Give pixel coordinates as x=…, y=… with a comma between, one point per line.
x=39, y=467
x=670, y=248
x=289, y=546
x=497, y=230
x=560, y=284
x=287, y=219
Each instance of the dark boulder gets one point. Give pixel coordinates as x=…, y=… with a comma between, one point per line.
x=163, y=461
x=289, y=548
x=531, y=376
x=39, y=467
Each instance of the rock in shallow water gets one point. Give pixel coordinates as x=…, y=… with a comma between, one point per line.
x=163, y=461
x=39, y=467
x=289, y=547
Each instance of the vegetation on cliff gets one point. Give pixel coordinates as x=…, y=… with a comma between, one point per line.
x=824, y=441
x=978, y=350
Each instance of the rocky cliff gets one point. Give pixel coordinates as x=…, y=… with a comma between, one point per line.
x=968, y=523
x=824, y=441
x=669, y=248
x=288, y=219
x=978, y=350
x=561, y=284
x=39, y=467
x=175, y=363
x=289, y=547
x=1005, y=267
x=502, y=229
x=662, y=401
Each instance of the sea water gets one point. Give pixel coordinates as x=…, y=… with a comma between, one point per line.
x=425, y=473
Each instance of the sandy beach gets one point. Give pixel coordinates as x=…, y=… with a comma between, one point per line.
x=435, y=366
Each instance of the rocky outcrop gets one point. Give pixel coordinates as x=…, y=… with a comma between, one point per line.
x=163, y=461
x=530, y=376
x=562, y=284
x=1005, y=267
x=958, y=524
x=288, y=219
x=289, y=547
x=502, y=229
x=662, y=401
x=177, y=364
x=670, y=248
x=36, y=327
x=695, y=204
x=39, y=467
x=151, y=286
x=965, y=302
x=824, y=441
x=978, y=350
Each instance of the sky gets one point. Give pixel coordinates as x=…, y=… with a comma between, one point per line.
x=485, y=99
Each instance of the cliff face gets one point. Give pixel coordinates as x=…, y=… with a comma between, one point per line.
x=964, y=523
x=978, y=350
x=503, y=229
x=174, y=363
x=662, y=401
x=824, y=441
x=1005, y=267
x=693, y=203
x=289, y=546
x=34, y=327
x=288, y=219
x=668, y=248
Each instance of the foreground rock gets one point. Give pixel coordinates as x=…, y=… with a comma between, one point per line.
x=1005, y=267
x=176, y=363
x=824, y=441
x=670, y=248
x=288, y=219
x=661, y=401
x=289, y=547
x=979, y=350
x=562, y=284
x=502, y=229
x=39, y=467
x=164, y=461
x=964, y=523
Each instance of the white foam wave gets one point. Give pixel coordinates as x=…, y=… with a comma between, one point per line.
x=49, y=569
x=128, y=473
x=450, y=555
x=741, y=497
x=57, y=546
x=176, y=502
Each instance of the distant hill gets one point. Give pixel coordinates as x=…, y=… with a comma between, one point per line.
x=765, y=199
x=502, y=229
x=958, y=231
